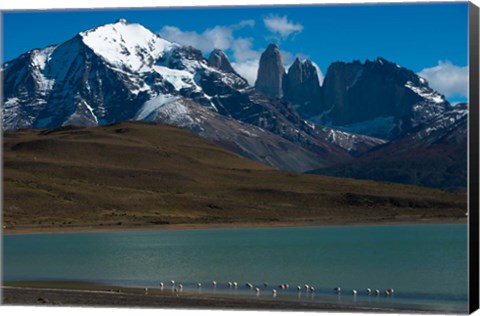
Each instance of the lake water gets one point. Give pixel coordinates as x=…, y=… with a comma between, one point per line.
x=425, y=264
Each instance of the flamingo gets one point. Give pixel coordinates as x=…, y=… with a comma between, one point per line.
x=274, y=292
x=369, y=290
x=299, y=288
x=354, y=292
x=214, y=283
x=377, y=292
x=337, y=289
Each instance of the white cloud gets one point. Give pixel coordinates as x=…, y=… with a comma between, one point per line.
x=247, y=69
x=246, y=59
x=287, y=58
x=242, y=50
x=174, y=34
x=220, y=36
x=280, y=25
x=449, y=79
x=243, y=24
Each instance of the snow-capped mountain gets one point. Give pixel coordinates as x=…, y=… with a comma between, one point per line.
x=100, y=76
x=123, y=71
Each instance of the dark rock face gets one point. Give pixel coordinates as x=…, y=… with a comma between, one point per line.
x=345, y=86
x=219, y=60
x=354, y=93
x=270, y=72
x=177, y=57
x=301, y=86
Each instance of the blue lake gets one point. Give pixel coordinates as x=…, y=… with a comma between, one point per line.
x=425, y=264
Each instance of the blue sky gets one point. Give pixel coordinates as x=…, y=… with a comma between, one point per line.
x=430, y=39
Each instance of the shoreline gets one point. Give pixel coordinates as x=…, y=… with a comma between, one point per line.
x=102, y=295
x=66, y=297
x=238, y=225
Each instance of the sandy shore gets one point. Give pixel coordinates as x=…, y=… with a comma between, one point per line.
x=89, y=294
x=300, y=223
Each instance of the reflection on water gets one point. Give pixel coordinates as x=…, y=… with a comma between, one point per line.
x=425, y=264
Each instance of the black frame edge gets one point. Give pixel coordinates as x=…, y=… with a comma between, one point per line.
x=473, y=211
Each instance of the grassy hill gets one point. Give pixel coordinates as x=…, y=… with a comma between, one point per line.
x=142, y=175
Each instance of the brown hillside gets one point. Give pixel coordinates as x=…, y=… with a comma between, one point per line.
x=138, y=174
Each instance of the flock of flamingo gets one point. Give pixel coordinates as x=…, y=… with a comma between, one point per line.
x=308, y=288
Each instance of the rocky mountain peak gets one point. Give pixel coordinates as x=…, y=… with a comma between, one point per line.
x=270, y=72
x=272, y=48
x=398, y=99
x=218, y=59
x=301, y=85
x=296, y=65
x=382, y=61
x=127, y=46
x=122, y=21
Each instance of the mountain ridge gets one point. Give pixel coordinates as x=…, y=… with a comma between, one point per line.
x=136, y=76
x=435, y=155
x=395, y=94
x=122, y=71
